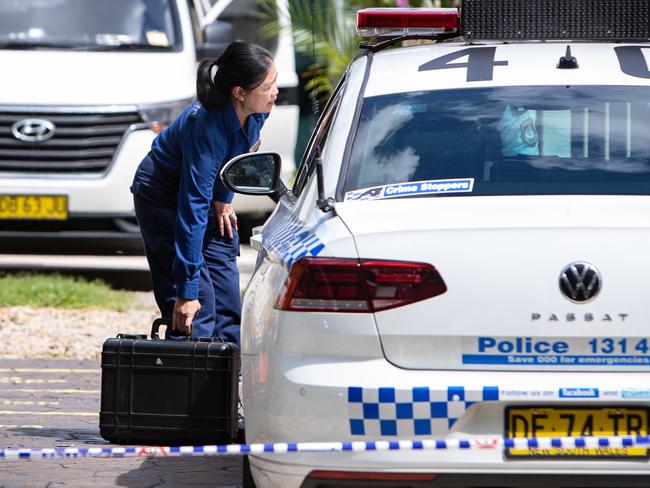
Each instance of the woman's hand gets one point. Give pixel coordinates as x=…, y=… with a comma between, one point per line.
x=226, y=217
x=184, y=312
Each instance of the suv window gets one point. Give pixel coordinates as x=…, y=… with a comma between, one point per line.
x=510, y=140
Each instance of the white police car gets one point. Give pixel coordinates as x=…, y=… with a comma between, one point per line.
x=465, y=255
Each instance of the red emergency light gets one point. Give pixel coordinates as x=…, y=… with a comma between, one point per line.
x=407, y=21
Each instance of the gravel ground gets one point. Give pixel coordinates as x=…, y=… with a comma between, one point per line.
x=55, y=333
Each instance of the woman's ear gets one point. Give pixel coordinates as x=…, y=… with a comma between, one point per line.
x=238, y=93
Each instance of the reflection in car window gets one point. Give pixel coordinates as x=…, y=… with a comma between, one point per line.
x=144, y=23
x=255, y=172
x=510, y=140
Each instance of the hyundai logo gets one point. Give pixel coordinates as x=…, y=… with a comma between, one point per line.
x=580, y=282
x=33, y=130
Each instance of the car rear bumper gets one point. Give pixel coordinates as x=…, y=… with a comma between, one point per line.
x=485, y=480
x=277, y=474
x=341, y=401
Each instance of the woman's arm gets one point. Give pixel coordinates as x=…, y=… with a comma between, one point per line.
x=204, y=141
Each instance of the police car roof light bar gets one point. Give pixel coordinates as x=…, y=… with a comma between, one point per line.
x=595, y=20
x=385, y=22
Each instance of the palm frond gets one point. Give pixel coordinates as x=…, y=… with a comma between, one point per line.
x=326, y=32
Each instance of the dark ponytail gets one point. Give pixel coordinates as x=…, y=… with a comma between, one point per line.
x=241, y=64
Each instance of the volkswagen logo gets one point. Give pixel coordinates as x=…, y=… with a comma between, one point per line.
x=33, y=130
x=580, y=282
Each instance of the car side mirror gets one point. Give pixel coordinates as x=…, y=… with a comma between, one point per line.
x=255, y=174
x=216, y=37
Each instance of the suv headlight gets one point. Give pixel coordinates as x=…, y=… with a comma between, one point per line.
x=160, y=115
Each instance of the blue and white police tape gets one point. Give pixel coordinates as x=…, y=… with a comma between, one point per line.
x=525, y=443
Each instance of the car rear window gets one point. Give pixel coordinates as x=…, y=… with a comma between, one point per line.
x=526, y=140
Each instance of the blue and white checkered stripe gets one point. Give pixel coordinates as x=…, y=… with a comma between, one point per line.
x=288, y=238
x=406, y=412
x=473, y=443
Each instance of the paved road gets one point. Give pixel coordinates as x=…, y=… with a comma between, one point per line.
x=55, y=403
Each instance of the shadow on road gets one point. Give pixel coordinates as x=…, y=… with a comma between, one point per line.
x=63, y=436
x=184, y=472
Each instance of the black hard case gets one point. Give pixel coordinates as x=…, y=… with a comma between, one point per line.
x=168, y=392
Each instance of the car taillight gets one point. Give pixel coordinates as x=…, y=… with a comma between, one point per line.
x=352, y=285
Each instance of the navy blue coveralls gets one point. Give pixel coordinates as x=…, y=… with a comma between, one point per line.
x=172, y=190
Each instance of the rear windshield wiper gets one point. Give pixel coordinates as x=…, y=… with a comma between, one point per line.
x=126, y=46
x=39, y=45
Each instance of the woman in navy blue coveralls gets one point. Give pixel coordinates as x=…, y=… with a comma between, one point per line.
x=184, y=211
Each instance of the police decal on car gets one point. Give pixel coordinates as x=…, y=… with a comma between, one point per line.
x=411, y=189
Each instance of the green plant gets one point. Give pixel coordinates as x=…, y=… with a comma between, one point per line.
x=324, y=30
x=60, y=291
x=327, y=36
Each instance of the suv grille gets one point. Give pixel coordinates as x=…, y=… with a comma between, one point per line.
x=82, y=142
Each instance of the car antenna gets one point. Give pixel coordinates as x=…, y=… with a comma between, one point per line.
x=567, y=61
x=324, y=204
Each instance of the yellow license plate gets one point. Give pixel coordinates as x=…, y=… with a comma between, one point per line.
x=34, y=207
x=546, y=421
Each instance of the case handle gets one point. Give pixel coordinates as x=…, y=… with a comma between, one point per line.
x=155, y=327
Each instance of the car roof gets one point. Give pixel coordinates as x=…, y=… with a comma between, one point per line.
x=528, y=63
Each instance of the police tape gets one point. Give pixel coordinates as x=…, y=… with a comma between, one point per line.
x=480, y=443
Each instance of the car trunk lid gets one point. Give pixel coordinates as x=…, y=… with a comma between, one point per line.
x=501, y=259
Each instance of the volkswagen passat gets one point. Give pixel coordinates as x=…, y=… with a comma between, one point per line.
x=464, y=255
